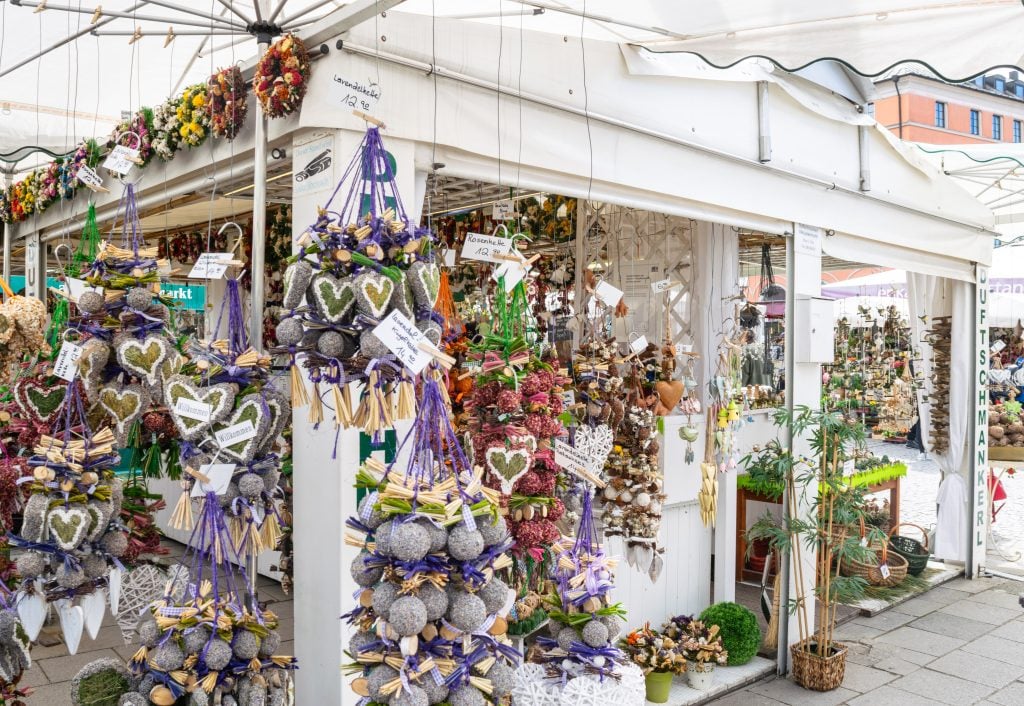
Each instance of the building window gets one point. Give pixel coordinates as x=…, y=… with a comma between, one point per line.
x=940, y=114
x=997, y=127
x=1000, y=84
x=1016, y=130
x=1018, y=90
x=975, y=122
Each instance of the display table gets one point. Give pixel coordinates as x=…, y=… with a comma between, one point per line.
x=876, y=480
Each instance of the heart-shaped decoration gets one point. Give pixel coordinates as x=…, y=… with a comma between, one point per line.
x=527, y=440
x=250, y=409
x=99, y=518
x=114, y=588
x=72, y=622
x=403, y=298
x=332, y=297
x=280, y=415
x=509, y=465
x=220, y=397
x=94, y=358
x=124, y=404
x=373, y=294
x=93, y=606
x=670, y=392
x=688, y=433
x=39, y=401
x=143, y=358
x=297, y=277
x=426, y=283
x=172, y=366
x=32, y=609
x=68, y=526
x=595, y=442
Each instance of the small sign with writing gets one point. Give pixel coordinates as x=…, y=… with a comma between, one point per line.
x=353, y=93
x=571, y=459
x=219, y=475
x=403, y=339
x=883, y=569
x=568, y=398
x=608, y=293
x=193, y=409
x=513, y=272
x=503, y=210
x=485, y=248
x=88, y=176
x=662, y=285
x=66, y=366
x=638, y=345
x=121, y=159
x=243, y=431
x=210, y=265
x=849, y=467
x=998, y=346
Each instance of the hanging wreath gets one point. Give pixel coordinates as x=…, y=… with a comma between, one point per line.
x=226, y=106
x=166, y=128
x=192, y=116
x=282, y=77
x=140, y=124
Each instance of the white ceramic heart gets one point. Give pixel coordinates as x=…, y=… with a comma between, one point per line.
x=94, y=606
x=32, y=611
x=72, y=623
x=114, y=589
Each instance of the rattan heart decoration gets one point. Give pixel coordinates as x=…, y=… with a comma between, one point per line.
x=595, y=442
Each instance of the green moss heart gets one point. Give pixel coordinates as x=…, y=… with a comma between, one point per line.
x=335, y=298
x=430, y=278
x=45, y=402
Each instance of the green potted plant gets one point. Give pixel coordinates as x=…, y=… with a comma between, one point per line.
x=738, y=628
x=702, y=646
x=658, y=656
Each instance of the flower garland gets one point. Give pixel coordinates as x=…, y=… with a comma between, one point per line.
x=193, y=117
x=226, y=106
x=142, y=125
x=282, y=77
x=166, y=127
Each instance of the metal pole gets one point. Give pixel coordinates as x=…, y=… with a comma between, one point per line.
x=259, y=221
x=8, y=231
x=782, y=656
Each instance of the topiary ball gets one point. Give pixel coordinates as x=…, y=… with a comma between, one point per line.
x=90, y=301
x=436, y=693
x=196, y=639
x=382, y=536
x=411, y=696
x=595, y=633
x=567, y=636
x=377, y=678
x=69, y=578
x=371, y=346
x=31, y=564
x=466, y=611
x=466, y=696
x=218, y=654
x=465, y=544
x=408, y=616
x=360, y=640
x=435, y=600
x=94, y=566
x=250, y=485
x=492, y=532
x=270, y=643
x=494, y=594
x=245, y=645
x=410, y=542
x=383, y=596
x=333, y=344
x=289, y=332
x=372, y=518
x=115, y=543
x=614, y=624
x=438, y=535
x=168, y=656
x=365, y=575
x=502, y=679
x=139, y=298
x=741, y=635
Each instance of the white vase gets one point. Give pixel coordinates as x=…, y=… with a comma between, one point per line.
x=700, y=675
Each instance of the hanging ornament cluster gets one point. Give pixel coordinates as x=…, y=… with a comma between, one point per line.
x=15, y=657
x=282, y=77
x=431, y=621
x=225, y=106
x=354, y=268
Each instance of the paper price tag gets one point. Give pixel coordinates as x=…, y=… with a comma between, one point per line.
x=513, y=272
x=503, y=211
x=478, y=246
x=570, y=458
x=88, y=176
x=210, y=265
x=883, y=569
x=243, y=431
x=121, y=159
x=864, y=541
x=403, y=339
x=638, y=345
x=849, y=467
x=449, y=258
x=998, y=346
x=354, y=93
x=608, y=293
x=568, y=398
x=78, y=287
x=66, y=366
x=662, y=285
x=193, y=409
x=219, y=475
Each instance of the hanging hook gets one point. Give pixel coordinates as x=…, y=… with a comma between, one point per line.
x=241, y=233
x=56, y=256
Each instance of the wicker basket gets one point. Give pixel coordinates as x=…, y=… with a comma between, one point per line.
x=913, y=551
x=818, y=673
x=872, y=572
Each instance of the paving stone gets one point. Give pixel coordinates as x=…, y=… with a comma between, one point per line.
x=922, y=640
x=888, y=696
x=997, y=648
x=898, y=665
x=746, y=698
x=948, y=624
x=941, y=688
x=856, y=631
x=993, y=615
x=864, y=679
x=1013, y=630
x=1010, y=695
x=977, y=668
x=52, y=694
x=974, y=585
x=942, y=594
x=60, y=669
x=790, y=693
x=889, y=620
x=922, y=606
x=998, y=597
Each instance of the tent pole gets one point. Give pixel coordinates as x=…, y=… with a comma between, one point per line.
x=259, y=221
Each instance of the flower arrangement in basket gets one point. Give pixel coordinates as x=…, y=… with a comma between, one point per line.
x=225, y=107
x=193, y=119
x=282, y=77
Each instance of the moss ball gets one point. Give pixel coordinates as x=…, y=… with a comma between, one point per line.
x=270, y=644
x=494, y=594
x=438, y=535
x=289, y=332
x=250, y=485
x=493, y=532
x=466, y=696
x=218, y=654
x=31, y=564
x=595, y=633
x=365, y=575
x=436, y=693
x=90, y=301
x=196, y=639
x=168, y=656
x=614, y=624
x=94, y=566
x=466, y=611
x=410, y=542
x=149, y=631
x=361, y=639
x=465, y=544
x=435, y=600
x=245, y=645
x=139, y=298
x=333, y=344
x=115, y=543
x=377, y=678
x=413, y=696
x=371, y=518
x=72, y=578
x=567, y=636
x=741, y=635
x=133, y=698
x=371, y=346
x=382, y=536
x=502, y=679
x=408, y=615
x=383, y=596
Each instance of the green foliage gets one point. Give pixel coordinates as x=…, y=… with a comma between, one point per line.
x=102, y=689
x=738, y=627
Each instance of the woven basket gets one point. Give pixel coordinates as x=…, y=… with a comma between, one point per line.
x=818, y=673
x=872, y=572
x=912, y=550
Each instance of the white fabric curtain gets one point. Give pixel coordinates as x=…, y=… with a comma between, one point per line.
x=715, y=281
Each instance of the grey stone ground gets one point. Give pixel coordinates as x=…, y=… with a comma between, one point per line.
x=959, y=644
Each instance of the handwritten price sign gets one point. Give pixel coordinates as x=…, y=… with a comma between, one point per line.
x=403, y=339
x=486, y=248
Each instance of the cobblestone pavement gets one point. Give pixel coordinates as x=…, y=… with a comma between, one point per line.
x=961, y=643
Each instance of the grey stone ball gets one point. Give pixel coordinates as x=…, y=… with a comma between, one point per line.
x=567, y=636
x=377, y=678
x=376, y=519
x=250, y=485
x=89, y=302
x=270, y=644
x=371, y=346
x=363, y=575
x=133, y=698
x=94, y=566
x=493, y=533
x=466, y=611
x=69, y=579
x=168, y=656
x=289, y=332
x=465, y=544
x=434, y=599
x=139, y=298
x=615, y=625
x=31, y=564
x=196, y=639
x=413, y=696
x=115, y=543
x=502, y=679
x=149, y=631
x=383, y=596
x=334, y=344
x=361, y=639
x=436, y=693
x=466, y=696
x=410, y=542
x=595, y=633
x=218, y=654
x=408, y=616
x=494, y=594
x=245, y=645
x=382, y=536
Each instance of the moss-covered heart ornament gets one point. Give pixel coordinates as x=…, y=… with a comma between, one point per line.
x=250, y=409
x=280, y=414
x=220, y=397
x=124, y=404
x=143, y=358
x=39, y=401
x=334, y=298
x=68, y=526
x=297, y=277
x=508, y=465
x=426, y=283
x=94, y=358
x=373, y=293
